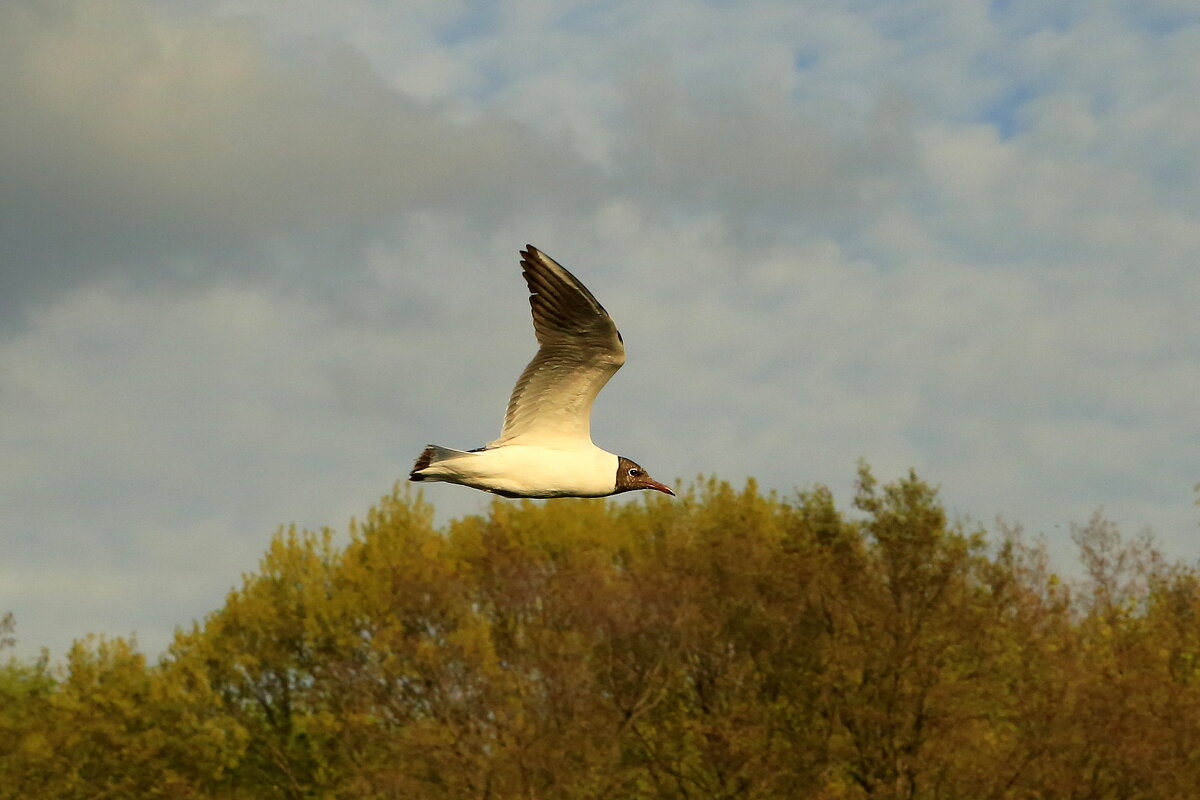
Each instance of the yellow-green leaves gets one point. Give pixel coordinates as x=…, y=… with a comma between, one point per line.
x=726, y=644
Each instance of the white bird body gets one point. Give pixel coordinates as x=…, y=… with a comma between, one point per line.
x=545, y=448
x=518, y=470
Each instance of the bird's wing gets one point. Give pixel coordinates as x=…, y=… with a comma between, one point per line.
x=580, y=350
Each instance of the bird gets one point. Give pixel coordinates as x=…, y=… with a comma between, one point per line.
x=545, y=446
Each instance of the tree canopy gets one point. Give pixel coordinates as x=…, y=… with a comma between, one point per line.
x=731, y=644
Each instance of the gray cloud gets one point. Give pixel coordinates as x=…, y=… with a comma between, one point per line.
x=753, y=156
x=147, y=147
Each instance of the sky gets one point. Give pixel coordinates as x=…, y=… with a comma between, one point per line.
x=255, y=254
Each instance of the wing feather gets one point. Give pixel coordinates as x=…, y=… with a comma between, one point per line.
x=580, y=349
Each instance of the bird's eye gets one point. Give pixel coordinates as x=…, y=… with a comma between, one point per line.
x=633, y=473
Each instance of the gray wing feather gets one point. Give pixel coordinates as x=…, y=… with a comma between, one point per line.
x=580, y=350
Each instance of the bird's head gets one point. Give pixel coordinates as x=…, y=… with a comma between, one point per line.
x=631, y=476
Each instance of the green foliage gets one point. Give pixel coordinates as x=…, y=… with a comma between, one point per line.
x=728, y=644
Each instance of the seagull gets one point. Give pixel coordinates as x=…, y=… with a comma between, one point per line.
x=545, y=448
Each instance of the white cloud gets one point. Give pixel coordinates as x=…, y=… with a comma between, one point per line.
x=154, y=441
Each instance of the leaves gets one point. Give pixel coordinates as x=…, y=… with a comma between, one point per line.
x=729, y=644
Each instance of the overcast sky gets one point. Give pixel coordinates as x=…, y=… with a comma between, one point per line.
x=255, y=254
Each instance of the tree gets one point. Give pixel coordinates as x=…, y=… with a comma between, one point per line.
x=728, y=644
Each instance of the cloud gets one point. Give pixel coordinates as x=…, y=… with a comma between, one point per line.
x=143, y=146
x=753, y=156
x=186, y=427
x=262, y=253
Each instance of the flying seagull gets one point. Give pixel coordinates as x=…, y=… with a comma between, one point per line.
x=545, y=447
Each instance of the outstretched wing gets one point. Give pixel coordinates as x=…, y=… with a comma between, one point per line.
x=551, y=404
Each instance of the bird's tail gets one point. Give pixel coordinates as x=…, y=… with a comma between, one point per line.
x=431, y=456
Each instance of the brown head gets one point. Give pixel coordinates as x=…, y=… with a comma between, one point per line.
x=630, y=476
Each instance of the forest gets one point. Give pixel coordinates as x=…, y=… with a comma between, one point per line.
x=731, y=643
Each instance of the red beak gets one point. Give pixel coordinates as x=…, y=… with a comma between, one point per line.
x=659, y=487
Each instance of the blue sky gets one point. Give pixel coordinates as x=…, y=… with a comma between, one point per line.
x=257, y=254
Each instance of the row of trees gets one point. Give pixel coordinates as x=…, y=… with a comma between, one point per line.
x=729, y=644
